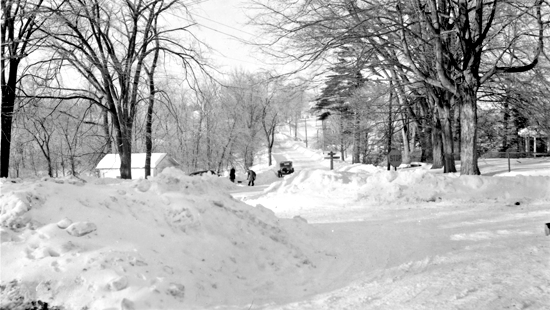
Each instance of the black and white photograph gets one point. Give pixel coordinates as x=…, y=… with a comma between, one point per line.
x=275, y=155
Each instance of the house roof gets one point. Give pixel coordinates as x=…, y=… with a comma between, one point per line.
x=532, y=131
x=112, y=161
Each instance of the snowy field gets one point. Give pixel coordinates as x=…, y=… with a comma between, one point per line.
x=357, y=237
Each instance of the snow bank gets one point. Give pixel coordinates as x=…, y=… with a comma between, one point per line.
x=170, y=242
x=419, y=185
x=371, y=185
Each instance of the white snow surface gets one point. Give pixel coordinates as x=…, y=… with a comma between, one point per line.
x=356, y=237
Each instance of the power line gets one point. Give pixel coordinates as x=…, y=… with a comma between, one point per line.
x=213, y=29
x=224, y=33
x=195, y=3
x=218, y=31
x=225, y=25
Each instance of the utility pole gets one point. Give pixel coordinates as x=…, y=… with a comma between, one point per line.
x=305, y=127
x=390, y=130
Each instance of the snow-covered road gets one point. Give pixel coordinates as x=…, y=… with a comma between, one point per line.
x=469, y=257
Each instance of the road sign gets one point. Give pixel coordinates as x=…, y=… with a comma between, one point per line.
x=394, y=157
x=332, y=157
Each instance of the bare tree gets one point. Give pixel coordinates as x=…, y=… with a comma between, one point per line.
x=20, y=23
x=109, y=44
x=40, y=124
x=474, y=26
x=462, y=39
x=274, y=102
x=245, y=91
x=151, y=102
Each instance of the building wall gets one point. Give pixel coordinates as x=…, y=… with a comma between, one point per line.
x=165, y=162
x=115, y=173
x=109, y=173
x=139, y=173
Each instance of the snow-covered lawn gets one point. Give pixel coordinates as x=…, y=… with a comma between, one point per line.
x=357, y=237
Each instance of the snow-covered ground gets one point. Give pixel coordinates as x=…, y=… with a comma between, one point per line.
x=357, y=237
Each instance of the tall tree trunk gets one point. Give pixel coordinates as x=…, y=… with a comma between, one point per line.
x=149, y=127
x=447, y=137
x=108, y=141
x=126, y=158
x=357, y=139
x=505, y=125
x=468, y=131
x=390, y=127
x=365, y=147
x=271, y=144
x=123, y=128
x=427, y=148
x=458, y=129
x=8, y=107
x=425, y=130
x=437, y=144
x=50, y=165
x=342, y=137
x=413, y=128
x=150, y=108
x=208, y=142
x=407, y=137
x=406, y=151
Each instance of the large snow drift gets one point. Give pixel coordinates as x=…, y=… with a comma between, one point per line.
x=171, y=242
x=369, y=184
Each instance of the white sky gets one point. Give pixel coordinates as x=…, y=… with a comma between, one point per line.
x=224, y=28
x=223, y=25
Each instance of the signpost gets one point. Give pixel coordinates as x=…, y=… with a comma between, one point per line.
x=332, y=157
x=394, y=158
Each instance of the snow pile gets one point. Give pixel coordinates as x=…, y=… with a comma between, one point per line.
x=360, y=168
x=170, y=242
x=420, y=185
x=369, y=185
x=322, y=183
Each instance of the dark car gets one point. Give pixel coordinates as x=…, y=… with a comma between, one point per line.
x=285, y=168
x=204, y=172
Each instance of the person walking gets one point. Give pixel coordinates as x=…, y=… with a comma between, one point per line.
x=251, y=177
x=232, y=174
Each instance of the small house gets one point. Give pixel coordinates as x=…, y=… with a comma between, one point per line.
x=535, y=132
x=109, y=166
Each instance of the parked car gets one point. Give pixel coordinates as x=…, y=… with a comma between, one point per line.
x=285, y=168
x=204, y=172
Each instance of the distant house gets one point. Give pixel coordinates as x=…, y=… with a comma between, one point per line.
x=109, y=166
x=535, y=132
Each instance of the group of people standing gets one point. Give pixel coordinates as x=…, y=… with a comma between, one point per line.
x=250, y=176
